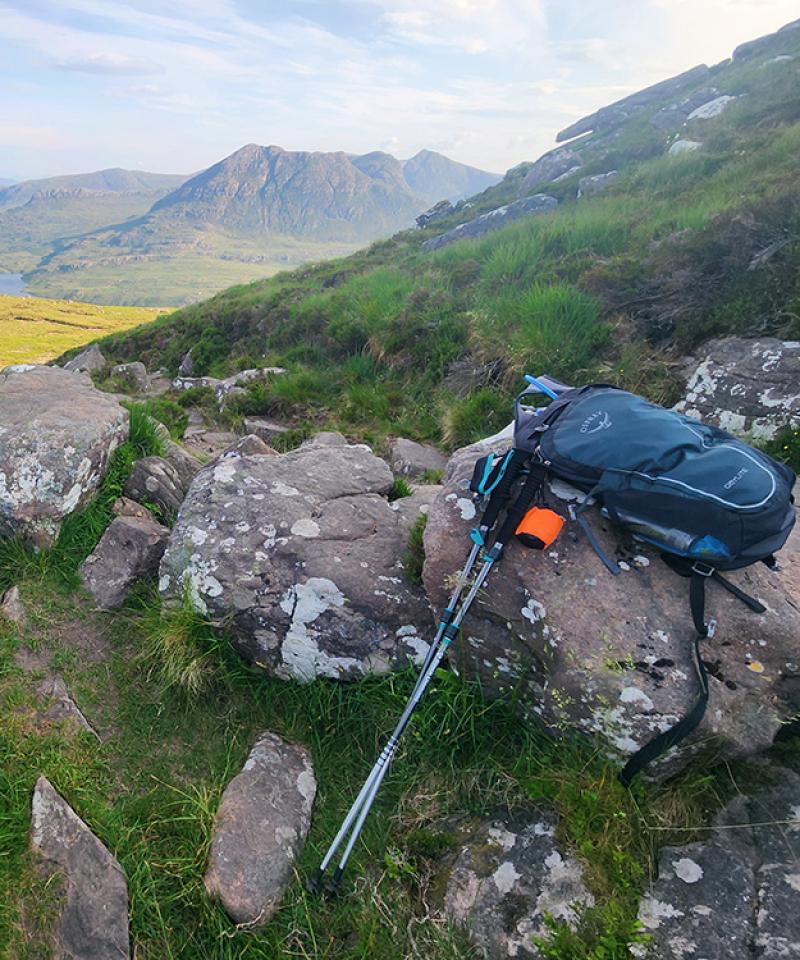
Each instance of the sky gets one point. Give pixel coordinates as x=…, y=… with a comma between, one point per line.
x=173, y=87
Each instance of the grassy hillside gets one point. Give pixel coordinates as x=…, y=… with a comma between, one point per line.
x=35, y=331
x=618, y=286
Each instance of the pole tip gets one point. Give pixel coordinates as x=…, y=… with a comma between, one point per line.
x=312, y=883
x=332, y=886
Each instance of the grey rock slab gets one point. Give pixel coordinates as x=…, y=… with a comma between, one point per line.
x=61, y=706
x=549, y=167
x=713, y=108
x=131, y=547
x=748, y=387
x=201, y=442
x=263, y=428
x=611, y=656
x=125, y=507
x=11, y=606
x=766, y=43
x=300, y=555
x=249, y=446
x=436, y=212
x=186, y=368
x=186, y=465
x=87, y=360
x=736, y=894
x=599, y=183
x=493, y=220
x=412, y=459
x=508, y=874
x=260, y=828
x=674, y=115
x=155, y=480
x=133, y=374
x=684, y=146
x=57, y=433
x=92, y=923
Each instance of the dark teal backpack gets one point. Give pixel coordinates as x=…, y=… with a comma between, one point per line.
x=707, y=500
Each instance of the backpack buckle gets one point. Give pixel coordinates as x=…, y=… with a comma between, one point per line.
x=703, y=569
x=711, y=628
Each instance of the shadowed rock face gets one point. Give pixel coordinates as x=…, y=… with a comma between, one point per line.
x=92, y=923
x=300, y=555
x=260, y=828
x=735, y=894
x=747, y=387
x=508, y=874
x=611, y=656
x=494, y=220
x=56, y=436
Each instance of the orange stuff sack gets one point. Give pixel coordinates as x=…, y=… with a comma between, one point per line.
x=539, y=528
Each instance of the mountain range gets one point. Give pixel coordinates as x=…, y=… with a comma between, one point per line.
x=120, y=235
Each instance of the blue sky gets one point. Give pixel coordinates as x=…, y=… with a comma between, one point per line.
x=173, y=87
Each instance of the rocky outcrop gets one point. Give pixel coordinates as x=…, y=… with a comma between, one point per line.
x=610, y=656
x=87, y=360
x=747, y=387
x=11, y=606
x=300, y=555
x=133, y=375
x=767, y=43
x=510, y=874
x=260, y=828
x=598, y=183
x=154, y=480
x=607, y=118
x=411, y=459
x=248, y=446
x=550, y=167
x=713, y=108
x=92, y=917
x=223, y=389
x=674, y=115
x=439, y=210
x=56, y=436
x=735, y=894
x=494, y=220
x=131, y=547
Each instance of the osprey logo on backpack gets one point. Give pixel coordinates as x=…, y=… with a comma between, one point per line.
x=599, y=420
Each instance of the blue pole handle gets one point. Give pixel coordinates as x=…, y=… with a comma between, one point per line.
x=541, y=387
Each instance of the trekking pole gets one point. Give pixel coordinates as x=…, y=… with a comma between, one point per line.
x=361, y=808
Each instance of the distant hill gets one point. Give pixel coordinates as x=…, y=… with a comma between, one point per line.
x=114, y=180
x=6, y=182
x=257, y=211
x=432, y=175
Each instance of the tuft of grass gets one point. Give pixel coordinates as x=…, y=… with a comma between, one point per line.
x=400, y=488
x=786, y=447
x=414, y=556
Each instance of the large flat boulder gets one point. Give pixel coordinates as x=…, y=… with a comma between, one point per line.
x=260, y=828
x=508, y=875
x=91, y=922
x=300, y=556
x=611, y=656
x=747, y=387
x=56, y=436
x=735, y=894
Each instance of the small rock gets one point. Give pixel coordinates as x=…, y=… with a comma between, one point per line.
x=550, y=167
x=265, y=429
x=11, y=605
x=92, y=920
x=62, y=706
x=134, y=375
x=125, y=507
x=411, y=459
x=87, y=360
x=684, y=146
x=600, y=182
x=131, y=547
x=186, y=368
x=154, y=480
x=507, y=877
x=260, y=829
x=249, y=446
x=436, y=212
x=186, y=466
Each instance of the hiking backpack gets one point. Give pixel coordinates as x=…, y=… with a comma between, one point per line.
x=707, y=500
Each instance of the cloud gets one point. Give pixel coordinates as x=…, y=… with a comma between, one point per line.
x=111, y=64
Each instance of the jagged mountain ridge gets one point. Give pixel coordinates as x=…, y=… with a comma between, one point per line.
x=327, y=196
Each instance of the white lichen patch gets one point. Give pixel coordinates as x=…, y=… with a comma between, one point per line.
x=306, y=527
x=637, y=696
x=505, y=838
x=533, y=611
x=282, y=489
x=464, y=505
x=687, y=870
x=505, y=877
x=225, y=472
x=653, y=911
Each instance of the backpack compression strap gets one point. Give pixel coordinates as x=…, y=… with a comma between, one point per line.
x=670, y=738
